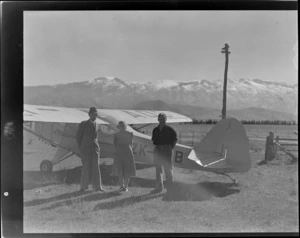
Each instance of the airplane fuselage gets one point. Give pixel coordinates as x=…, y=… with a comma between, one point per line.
x=224, y=149
x=63, y=135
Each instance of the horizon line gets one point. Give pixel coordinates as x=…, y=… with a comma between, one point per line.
x=162, y=80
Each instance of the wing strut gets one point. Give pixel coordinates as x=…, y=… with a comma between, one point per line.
x=142, y=126
x=60, y=155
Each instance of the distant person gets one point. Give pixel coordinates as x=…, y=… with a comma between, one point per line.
x=88, y=144
x=124, y=166
x=164, y=138
x=270, y=153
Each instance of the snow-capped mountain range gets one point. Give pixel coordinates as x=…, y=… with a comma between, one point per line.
x=112, y=92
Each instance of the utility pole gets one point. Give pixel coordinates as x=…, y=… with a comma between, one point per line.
x=225, y=50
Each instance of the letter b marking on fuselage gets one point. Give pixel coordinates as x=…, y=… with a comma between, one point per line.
x=178, y=156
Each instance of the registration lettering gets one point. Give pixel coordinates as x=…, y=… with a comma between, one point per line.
x=178, y=156
x=142, y=149
x=134, y=148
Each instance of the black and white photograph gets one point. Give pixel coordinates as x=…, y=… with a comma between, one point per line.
x=160, y=121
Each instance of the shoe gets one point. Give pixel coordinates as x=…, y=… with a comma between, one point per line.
x=99, y=190
x=121, y=189
x=157, y=190
x=262, y=162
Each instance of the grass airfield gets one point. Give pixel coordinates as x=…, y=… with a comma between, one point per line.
x=265, y=200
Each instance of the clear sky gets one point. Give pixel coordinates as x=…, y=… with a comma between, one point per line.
x=143, y=46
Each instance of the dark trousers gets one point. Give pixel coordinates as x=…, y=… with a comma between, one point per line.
x=90, y=168
x=163, y=160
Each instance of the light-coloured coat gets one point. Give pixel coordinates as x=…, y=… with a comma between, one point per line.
x=124, y=165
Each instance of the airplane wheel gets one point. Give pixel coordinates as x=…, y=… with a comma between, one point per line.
x=46, y=166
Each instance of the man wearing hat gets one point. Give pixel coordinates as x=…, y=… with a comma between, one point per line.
x=164, y=138
x=90, y=152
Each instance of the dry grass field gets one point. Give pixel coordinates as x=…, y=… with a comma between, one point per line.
x=265, y=199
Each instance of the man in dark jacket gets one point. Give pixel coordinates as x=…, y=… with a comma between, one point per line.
x=164, y=138
x=90, y=152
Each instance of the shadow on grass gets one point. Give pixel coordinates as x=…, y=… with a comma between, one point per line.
x=177, y=192
x=37, y=179
x=56, y=198
x=88, y=198
x=199, y=192
x=134, y=182
x=126, y=201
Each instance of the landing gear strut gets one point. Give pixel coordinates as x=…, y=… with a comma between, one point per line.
x=234, y=180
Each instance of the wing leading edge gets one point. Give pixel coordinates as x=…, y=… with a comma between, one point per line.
x=141, y=116
x=39, y=113
x=42, y=113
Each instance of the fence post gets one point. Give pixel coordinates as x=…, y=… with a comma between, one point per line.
x=270, y=147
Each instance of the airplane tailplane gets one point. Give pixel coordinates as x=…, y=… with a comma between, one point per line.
x=225, y=148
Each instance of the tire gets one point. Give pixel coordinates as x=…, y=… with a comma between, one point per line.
x=46, y=166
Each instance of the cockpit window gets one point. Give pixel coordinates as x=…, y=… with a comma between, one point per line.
x=108, y=129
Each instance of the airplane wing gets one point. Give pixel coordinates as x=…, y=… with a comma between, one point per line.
x=140, y=116
x=39, y=113
x=76, y=115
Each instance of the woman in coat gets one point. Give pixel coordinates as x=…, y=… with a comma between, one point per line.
x=124, y=166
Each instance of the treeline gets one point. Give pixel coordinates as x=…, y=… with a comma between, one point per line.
x=249, y=122
x=209, y=121
x=269, y=122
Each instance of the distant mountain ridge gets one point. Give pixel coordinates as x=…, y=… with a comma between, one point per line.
x=205, y=113
x=245, y=97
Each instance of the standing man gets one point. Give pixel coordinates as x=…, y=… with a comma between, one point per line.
x=90, y=152
x=164, y=138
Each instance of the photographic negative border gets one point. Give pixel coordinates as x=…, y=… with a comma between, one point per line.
x=12, y=86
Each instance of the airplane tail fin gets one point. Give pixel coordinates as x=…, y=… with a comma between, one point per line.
x=225, y=148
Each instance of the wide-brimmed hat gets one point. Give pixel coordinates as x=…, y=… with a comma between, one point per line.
x=92, y=110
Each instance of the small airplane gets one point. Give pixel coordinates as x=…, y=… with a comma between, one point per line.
x=224, y=149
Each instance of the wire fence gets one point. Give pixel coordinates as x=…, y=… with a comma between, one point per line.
x=192, y=135
x=186, y=137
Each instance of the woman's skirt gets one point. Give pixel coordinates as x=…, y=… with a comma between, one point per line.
x=124, y=165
